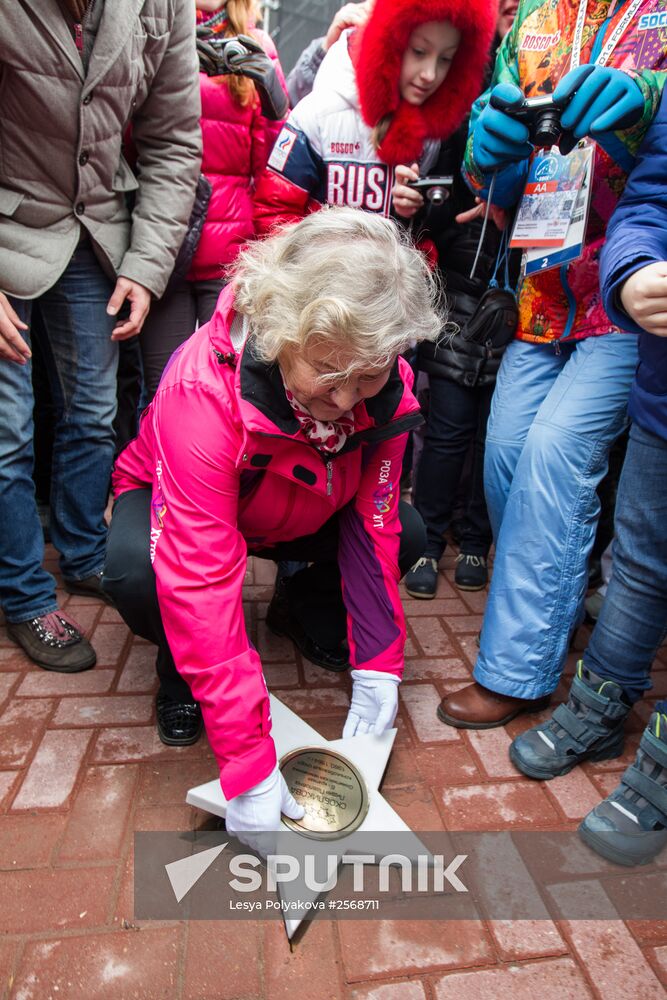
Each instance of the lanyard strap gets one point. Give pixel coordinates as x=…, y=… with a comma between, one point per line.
x=613, y=39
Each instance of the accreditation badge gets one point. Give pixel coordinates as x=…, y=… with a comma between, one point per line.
x=550, y=199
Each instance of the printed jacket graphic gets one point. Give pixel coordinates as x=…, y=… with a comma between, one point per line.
x=324, y=154
x=565, y=303
x=231, y=472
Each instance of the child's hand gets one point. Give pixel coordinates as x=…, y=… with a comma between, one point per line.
x=644, y=298
x=407, y=201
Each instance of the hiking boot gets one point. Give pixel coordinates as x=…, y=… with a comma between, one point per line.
x=281, y=621
x=588, y=727
x=629, y=827
x=54, y=642
x=422, y=579
x=477, y=707
x=471, y=572
x=179, y=723
x=90, y=586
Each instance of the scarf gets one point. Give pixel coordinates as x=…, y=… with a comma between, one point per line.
x=217, y=23
x=327, y=435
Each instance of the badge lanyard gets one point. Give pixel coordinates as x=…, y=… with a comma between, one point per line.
x=613, y=40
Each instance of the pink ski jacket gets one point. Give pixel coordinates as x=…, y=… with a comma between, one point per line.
x=231, y=472
x=237, y=142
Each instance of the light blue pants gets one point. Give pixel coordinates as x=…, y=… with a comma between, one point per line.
x=553, y=419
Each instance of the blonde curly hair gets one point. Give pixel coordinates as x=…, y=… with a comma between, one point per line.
x=341, y=277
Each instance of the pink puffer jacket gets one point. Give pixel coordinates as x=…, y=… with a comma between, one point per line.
x=230, y=472
x=237, y=143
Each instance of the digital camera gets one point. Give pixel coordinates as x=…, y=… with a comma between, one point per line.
x=539, y=114
x=434, y=189
x=226, y=50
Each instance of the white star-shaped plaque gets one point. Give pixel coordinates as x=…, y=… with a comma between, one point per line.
x=368, y=753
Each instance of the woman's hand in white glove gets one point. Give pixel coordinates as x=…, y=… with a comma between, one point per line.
x=254, y=816
x=374, y=703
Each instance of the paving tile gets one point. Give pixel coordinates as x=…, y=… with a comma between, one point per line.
x=504, y=804
x=605, y=783
x=98, y=815
x=431, y=636
x=660, y=957
x=451, y=764
x=221, y=960
x=108, y=710
x=43, y=899
x=520, y=939
x=475, y=600
x=21, y=726
x=139, y=674
x=300, y=972
x=648, y=932
x=53, y=772
x=558, y=979
x=122, y=744
x=466, y=624
x=439, y=606
x=117, y=965
x=492, y=749
x=7, y=682
x=7, y=783
x=12, y=658
x=282, y=675
x=574, y=793
x=383, y=948
x=109, y=643
x=415, y=805
x=404, y=990
x=441, y=669
x=8, y=955
x=316, y=701
x=28, y=841
x=167, y=782
x=613, y=960
x=318, y=676
x=421, y=702
x=41, y=683
x=401, y=768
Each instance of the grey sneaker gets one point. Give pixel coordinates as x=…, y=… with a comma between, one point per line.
x=588, y=727
x=54, y=642
x=630, y=826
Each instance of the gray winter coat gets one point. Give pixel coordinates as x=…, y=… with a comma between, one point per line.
x=61, y=135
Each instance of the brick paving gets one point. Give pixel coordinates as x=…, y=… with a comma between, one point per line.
x=81, y=769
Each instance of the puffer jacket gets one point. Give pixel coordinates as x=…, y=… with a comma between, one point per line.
x=637, y=236
x=564, y=303
x=324, y=154
x=231, y=471
x=237, y=142
x=61, y=136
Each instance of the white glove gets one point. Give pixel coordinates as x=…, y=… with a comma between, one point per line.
x=258, y=810
x=374, y=703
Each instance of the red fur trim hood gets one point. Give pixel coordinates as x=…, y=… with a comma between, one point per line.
x=377, y=53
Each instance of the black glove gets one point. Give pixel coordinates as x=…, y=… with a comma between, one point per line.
x=244, y=56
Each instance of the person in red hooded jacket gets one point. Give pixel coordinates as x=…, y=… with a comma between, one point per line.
x=237, y=139
x=386, y=94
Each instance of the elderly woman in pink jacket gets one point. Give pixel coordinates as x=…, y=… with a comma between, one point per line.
x=278, y=430
x=237, y=140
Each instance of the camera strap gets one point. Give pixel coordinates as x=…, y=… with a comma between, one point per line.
x=613, y=40
x=480, y=243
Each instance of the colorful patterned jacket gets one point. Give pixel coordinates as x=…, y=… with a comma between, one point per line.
x=564, y=303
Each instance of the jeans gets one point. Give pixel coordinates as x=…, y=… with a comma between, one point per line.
x=81, y=361
x=129, y=579
x=554, y=416
x=456, y=416
x=633, y=620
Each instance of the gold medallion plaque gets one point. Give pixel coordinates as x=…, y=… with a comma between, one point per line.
x=331, y=790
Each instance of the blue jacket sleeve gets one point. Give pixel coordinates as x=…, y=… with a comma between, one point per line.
x=637, y=233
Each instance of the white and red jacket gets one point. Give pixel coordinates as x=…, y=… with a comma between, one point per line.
x=324, y=154
x=231, y=472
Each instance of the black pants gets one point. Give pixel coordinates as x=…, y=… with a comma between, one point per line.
x=456, y=416
x=315, y=597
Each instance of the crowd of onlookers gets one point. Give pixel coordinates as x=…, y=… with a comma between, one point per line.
x=159, y=178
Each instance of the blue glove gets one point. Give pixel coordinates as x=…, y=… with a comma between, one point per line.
x=598, y=99
x=499, y=139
